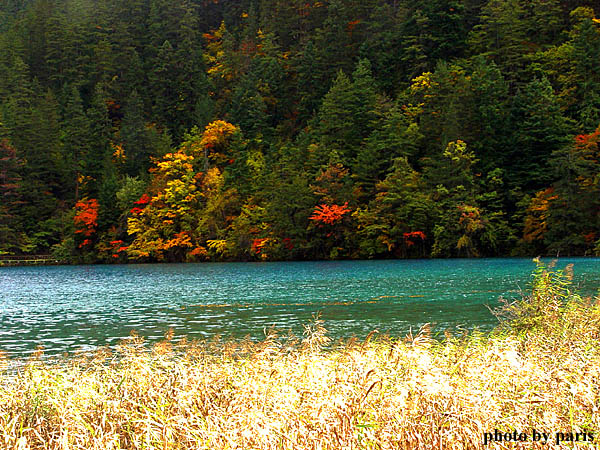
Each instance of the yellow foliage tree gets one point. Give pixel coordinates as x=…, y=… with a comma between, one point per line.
x=165, y=228
x=188, y=206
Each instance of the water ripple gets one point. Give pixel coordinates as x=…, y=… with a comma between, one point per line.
x=70, y=308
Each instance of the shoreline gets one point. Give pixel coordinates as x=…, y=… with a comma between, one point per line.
x=21, y=261
x=56, y=262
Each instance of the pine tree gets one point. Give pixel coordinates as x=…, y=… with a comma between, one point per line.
x=540, y=129
x=544, y=21
x=489, y=129
x=35, y=132
x=100, y=134
x=347, y=113
x=434, y=31
x=335, y=118
x=134, y=136
x=383, y=47
x=76, y=144
x=65, y=42
x=311, y=82
x=19, y=103
x=501, y=36
x=35, y=26
x=248, y=109
x=586, y=56
x=394, y=136
x=10, y=185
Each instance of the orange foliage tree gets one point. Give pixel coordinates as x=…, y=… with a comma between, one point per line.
x=329, y=214
x=330, y=217
x=536, y=220
x=471, y=224
x=211, y=145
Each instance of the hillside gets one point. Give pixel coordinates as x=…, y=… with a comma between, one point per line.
x=149, y=130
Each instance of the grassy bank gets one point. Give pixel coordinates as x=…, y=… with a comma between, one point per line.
x=540, y=370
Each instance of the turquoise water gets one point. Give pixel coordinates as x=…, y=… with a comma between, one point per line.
x=72, y=308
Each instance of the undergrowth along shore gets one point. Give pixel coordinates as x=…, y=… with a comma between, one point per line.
x=540, y=369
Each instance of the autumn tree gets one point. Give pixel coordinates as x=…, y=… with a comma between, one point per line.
x=86, y=221
x=167, y=225
x=163, y=227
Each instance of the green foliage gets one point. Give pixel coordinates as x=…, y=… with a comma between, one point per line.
x=434, y=31
x=300, y=129
x=501, y=35
x=543, y=130
x=132, y=188
x=10, y=184
x=135, y=137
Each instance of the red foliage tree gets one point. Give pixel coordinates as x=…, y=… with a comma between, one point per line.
x=86, y=219
x=409, y=238
x=140, y=204
x=258, y=244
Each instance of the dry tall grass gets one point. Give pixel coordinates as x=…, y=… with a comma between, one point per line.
x=414, y=393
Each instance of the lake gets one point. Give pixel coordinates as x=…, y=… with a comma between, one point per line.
x=73, y=308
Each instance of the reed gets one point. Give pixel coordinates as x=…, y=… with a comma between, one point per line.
x=381, y=393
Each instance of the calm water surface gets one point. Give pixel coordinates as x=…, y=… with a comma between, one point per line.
x=71, y=308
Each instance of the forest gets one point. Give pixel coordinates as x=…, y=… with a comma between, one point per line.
x=250, y=130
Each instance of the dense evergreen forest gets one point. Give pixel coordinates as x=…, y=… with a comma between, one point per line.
x=193, y=130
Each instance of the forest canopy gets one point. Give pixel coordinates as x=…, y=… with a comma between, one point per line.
x=197, y=130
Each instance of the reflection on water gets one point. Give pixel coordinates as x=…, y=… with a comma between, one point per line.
x=68, y=308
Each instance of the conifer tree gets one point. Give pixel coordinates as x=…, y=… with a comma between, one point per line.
x=394, y=136
x=100, y=134
x=489, y=129
x=76, y=144
x=586, y=59
x=10, y=186
x=134, y=136
x=347, y=113
x=501, y=36
x=540, y=129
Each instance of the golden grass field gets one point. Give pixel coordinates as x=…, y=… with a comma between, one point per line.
x=540, y=370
